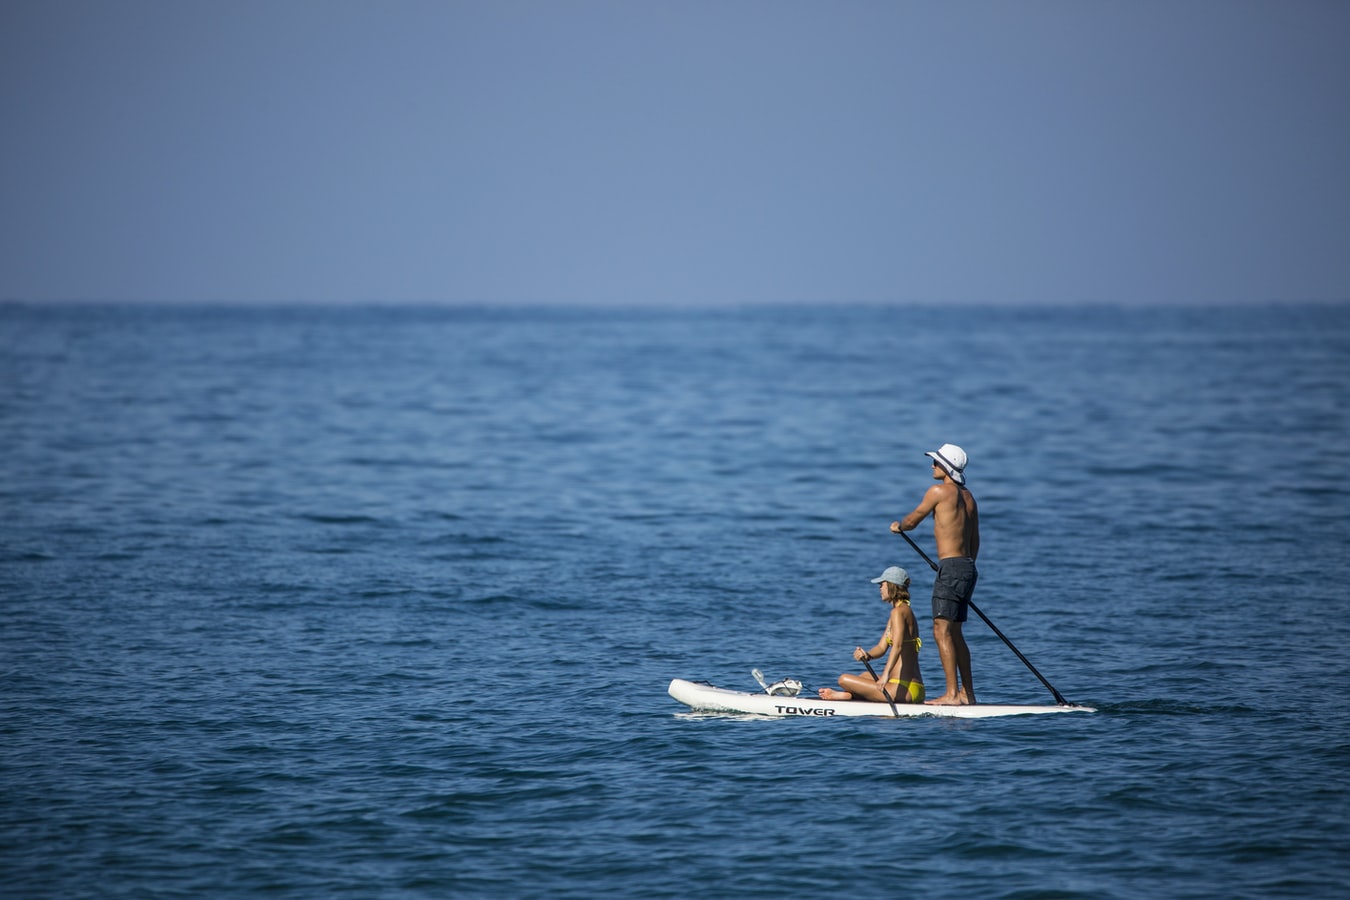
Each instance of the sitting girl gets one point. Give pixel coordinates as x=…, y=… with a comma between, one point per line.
x=900, y=681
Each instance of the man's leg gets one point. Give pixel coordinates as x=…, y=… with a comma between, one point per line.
x=942, y=633
x=961, y=654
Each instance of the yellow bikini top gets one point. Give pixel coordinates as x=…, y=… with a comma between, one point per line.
x=917, y=643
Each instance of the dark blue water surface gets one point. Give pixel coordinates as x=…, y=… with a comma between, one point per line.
x=384, y=602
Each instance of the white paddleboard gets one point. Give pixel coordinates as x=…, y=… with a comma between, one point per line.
x=703, y=696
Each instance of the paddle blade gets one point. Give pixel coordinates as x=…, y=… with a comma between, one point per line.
x=759, y=676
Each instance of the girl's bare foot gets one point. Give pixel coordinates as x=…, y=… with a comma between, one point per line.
x=832, y=694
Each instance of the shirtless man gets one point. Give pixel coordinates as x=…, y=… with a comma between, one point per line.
x=956, y=526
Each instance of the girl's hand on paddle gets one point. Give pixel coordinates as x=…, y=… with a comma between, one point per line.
x=860, y=654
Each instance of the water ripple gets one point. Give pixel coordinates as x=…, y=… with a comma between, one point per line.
x=384, y=603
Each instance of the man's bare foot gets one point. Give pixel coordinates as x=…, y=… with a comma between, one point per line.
x=832, y=694
x=945, y=700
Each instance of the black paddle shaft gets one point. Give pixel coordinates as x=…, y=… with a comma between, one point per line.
x=883, y=688
x=1059, y=698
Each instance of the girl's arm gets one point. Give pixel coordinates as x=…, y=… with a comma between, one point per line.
x=875, y=652
x=896, y=628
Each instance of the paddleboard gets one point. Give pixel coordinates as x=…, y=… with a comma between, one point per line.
x=700, y=695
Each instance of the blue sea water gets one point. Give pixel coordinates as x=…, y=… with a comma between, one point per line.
x=375, y=602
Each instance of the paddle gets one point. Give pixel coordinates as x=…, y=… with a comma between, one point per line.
x=883, y=688
x=1059, y=698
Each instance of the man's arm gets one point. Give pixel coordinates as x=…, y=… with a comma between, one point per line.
x=926, y=505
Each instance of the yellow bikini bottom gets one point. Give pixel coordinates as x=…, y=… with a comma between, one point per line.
x=915, y=689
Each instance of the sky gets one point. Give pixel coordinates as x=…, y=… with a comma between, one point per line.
x=640, y=153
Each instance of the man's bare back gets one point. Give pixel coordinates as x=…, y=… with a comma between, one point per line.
x=956, y=519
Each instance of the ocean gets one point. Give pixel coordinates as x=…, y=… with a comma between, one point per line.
x=384, y=602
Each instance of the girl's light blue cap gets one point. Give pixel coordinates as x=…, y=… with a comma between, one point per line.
x=895, y=575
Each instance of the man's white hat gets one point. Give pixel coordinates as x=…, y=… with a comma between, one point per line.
x=952, y=459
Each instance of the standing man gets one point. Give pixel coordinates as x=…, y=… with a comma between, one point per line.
x=956, y=527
